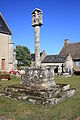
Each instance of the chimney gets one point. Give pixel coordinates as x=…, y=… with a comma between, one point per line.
x=67, y=42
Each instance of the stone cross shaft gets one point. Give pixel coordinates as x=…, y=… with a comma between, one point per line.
x=37, y=45
x=36, y=23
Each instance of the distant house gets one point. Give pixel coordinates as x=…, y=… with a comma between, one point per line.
x=61, y=64
x=6, y=46
x=74, y=50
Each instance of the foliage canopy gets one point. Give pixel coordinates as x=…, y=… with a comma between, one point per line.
x=23, y=56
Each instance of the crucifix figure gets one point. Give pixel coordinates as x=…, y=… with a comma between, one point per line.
x=62, y=68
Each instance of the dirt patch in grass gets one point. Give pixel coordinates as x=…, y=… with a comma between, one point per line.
x=3, y=118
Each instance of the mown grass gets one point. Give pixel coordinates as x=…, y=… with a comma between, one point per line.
x=20, y=110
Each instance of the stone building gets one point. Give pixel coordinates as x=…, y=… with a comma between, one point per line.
x=61, y=64
x=74, y=50
x=68, y=59
x=6, y=46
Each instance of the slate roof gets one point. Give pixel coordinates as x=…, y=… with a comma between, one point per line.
x=72, y=49
x=3, y=26
x=55, y=59
x=33, y=56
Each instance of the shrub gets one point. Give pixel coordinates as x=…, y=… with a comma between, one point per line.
x=5, y=75
x=14, y=72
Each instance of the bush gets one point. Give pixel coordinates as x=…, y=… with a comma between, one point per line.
x=14, y=72
x=5, y=75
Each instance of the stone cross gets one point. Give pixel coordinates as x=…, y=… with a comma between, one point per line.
x=36, y=23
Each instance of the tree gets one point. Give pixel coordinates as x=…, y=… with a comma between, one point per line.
x=23, y=56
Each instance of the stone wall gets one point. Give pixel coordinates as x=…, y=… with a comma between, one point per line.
x=54, y=64
x=69, y=65
x=76, y=67
x=10, y=54
x=4, y=50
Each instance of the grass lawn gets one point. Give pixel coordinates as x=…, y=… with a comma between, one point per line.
x=20, y=110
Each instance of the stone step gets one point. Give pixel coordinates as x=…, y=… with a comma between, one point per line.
x=42, y=100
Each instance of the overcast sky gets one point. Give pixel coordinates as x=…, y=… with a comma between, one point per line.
x=61, y=20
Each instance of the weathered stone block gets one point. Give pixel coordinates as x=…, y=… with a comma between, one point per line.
x=39, y=76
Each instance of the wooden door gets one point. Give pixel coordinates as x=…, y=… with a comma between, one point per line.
x=3, y=64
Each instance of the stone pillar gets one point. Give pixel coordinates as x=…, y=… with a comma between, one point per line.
x=36, y=23
x=37, y=45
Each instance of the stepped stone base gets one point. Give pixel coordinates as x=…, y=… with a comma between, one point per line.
x=38, y=87
x=39, y=96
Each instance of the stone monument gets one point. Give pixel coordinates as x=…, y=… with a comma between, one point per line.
x=38, y=84
x=38, y=76
x=36, y=23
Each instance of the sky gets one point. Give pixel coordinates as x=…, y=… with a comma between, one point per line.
x=61, y=20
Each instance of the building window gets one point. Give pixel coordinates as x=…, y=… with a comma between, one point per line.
x=78, y=63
